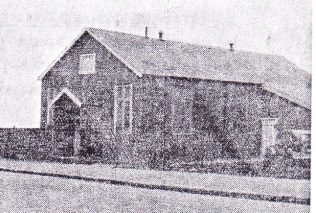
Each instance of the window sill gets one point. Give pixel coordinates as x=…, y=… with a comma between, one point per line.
x=183, y=133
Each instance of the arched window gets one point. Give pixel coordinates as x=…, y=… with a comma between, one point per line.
x=182, y=111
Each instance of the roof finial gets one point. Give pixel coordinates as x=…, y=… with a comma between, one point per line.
x=231, y=47
x=146, y=32
x=160, y=35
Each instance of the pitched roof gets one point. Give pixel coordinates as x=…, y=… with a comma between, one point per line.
x=172, y=58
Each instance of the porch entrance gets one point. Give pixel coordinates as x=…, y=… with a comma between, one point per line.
x=65, y=123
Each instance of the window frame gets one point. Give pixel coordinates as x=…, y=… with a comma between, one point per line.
x=48, y=99
x=124, y=100
x=187, y=98
x=81, y=61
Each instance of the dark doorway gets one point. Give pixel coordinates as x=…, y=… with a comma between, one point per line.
x=65, y=124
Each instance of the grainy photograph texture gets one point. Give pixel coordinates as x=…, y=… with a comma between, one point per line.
x=155, y=106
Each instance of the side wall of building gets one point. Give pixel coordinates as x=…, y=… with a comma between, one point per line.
x=231, y=112
x=227, y=113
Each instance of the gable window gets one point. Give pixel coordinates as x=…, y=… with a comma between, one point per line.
x=123, y=108
x=182, y=111
x=87, y=64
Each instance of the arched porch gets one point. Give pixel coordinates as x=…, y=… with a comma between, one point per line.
x=64, y=121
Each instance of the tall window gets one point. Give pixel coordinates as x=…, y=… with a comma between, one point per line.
x=87, y=64
x=48, y=100
x=182, y=111
x=123, y=108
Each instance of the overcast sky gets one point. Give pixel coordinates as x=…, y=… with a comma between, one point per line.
x=34, y=33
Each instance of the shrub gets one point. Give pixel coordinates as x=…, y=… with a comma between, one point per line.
x=279, y=161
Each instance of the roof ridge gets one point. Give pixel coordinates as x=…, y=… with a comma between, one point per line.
x=192, y=44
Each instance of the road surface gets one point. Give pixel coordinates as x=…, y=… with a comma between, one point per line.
x=32, y=193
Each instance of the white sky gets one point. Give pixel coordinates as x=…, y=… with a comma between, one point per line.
x=33, y=33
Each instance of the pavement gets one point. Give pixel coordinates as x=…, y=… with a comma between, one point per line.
x=260, y=188
x=36, y=193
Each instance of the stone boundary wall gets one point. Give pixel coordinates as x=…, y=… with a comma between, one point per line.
x=25, y=143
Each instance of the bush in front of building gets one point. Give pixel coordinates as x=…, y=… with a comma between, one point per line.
x=280, y=161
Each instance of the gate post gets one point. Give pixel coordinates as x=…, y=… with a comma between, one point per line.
x=76, y=143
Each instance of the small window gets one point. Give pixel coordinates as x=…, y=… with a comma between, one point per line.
x=87, y=64
x=123, y=109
